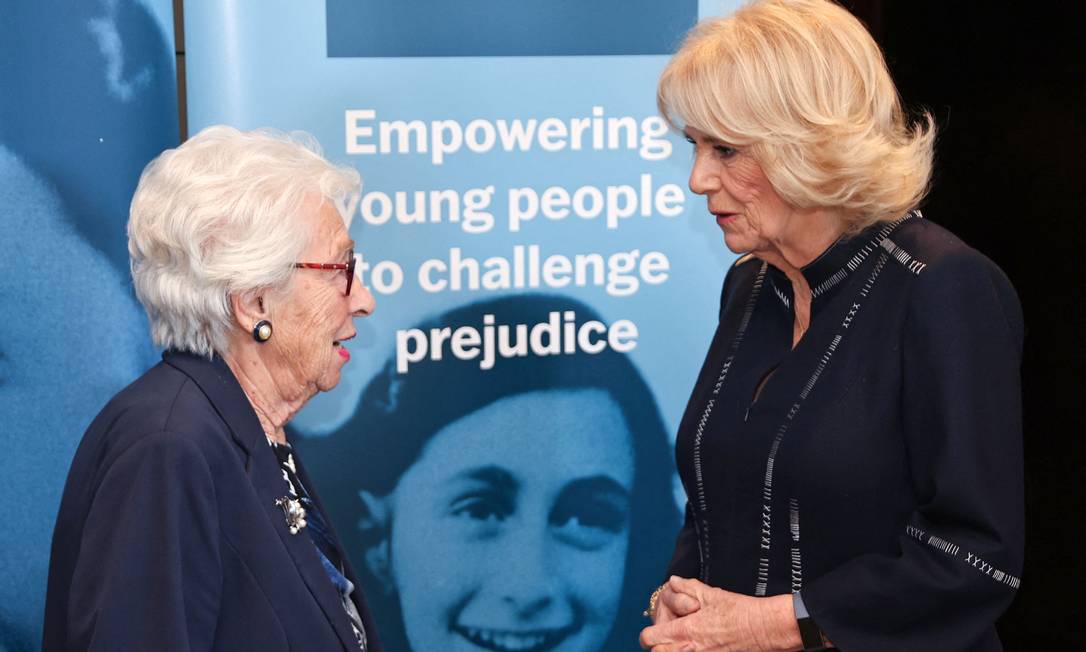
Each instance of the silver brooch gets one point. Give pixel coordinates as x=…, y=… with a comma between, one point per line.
x=294, y=512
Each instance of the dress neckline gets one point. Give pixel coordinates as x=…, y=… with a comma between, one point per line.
x=826, y=272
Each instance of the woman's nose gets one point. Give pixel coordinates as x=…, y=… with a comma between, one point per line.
x=703, y=178
x=362, y=301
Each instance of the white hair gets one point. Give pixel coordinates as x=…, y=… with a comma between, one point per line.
x=219, y=216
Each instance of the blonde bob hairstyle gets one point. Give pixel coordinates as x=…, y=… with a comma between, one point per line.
x=223, y=215
x=802, y=87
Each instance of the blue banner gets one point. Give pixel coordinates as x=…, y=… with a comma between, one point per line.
x=546, y=288
x=470, y=28
x=87, y=98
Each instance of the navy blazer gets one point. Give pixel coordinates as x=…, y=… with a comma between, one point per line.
x=168, y=536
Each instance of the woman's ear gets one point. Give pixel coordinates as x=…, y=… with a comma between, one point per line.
x=248, y=309
x=376, y=525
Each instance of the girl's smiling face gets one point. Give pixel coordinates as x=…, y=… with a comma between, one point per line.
x=510, y=532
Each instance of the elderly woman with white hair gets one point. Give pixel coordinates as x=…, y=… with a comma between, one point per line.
x=187, y=521
x=851, y=451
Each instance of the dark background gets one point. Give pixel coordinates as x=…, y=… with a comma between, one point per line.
x=1006, y=83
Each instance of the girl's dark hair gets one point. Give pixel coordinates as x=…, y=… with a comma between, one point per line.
x=399, y=413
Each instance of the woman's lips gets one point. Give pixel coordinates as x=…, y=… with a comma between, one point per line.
x=341, y=350
x=724, y=218
x=536, y=640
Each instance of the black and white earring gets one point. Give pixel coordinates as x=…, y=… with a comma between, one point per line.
x=262, y=332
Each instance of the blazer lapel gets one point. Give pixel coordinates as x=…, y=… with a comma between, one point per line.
x=372, y=641
x=268, y=481
x=221, y=388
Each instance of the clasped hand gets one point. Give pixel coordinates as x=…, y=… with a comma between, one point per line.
x=691, y=616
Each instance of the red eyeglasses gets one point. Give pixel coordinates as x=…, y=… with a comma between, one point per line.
x=347, y=267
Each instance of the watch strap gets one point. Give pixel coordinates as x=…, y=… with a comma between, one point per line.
x=810, y=634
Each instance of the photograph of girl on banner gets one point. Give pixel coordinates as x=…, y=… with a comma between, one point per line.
x=497, y=508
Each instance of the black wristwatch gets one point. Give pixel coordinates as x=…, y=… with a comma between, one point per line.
x=811, y=634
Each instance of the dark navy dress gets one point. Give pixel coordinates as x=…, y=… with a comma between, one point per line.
x=879, y=471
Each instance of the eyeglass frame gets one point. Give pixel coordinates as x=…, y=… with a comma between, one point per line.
x=348, y=267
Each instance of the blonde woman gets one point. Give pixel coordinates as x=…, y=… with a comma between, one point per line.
x=851, y=451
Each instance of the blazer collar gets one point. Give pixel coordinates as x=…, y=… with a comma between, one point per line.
x=218, y=383
x=222, y=389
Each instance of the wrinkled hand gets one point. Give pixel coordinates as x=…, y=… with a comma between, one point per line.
x=671, y=605
x=723, y=622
